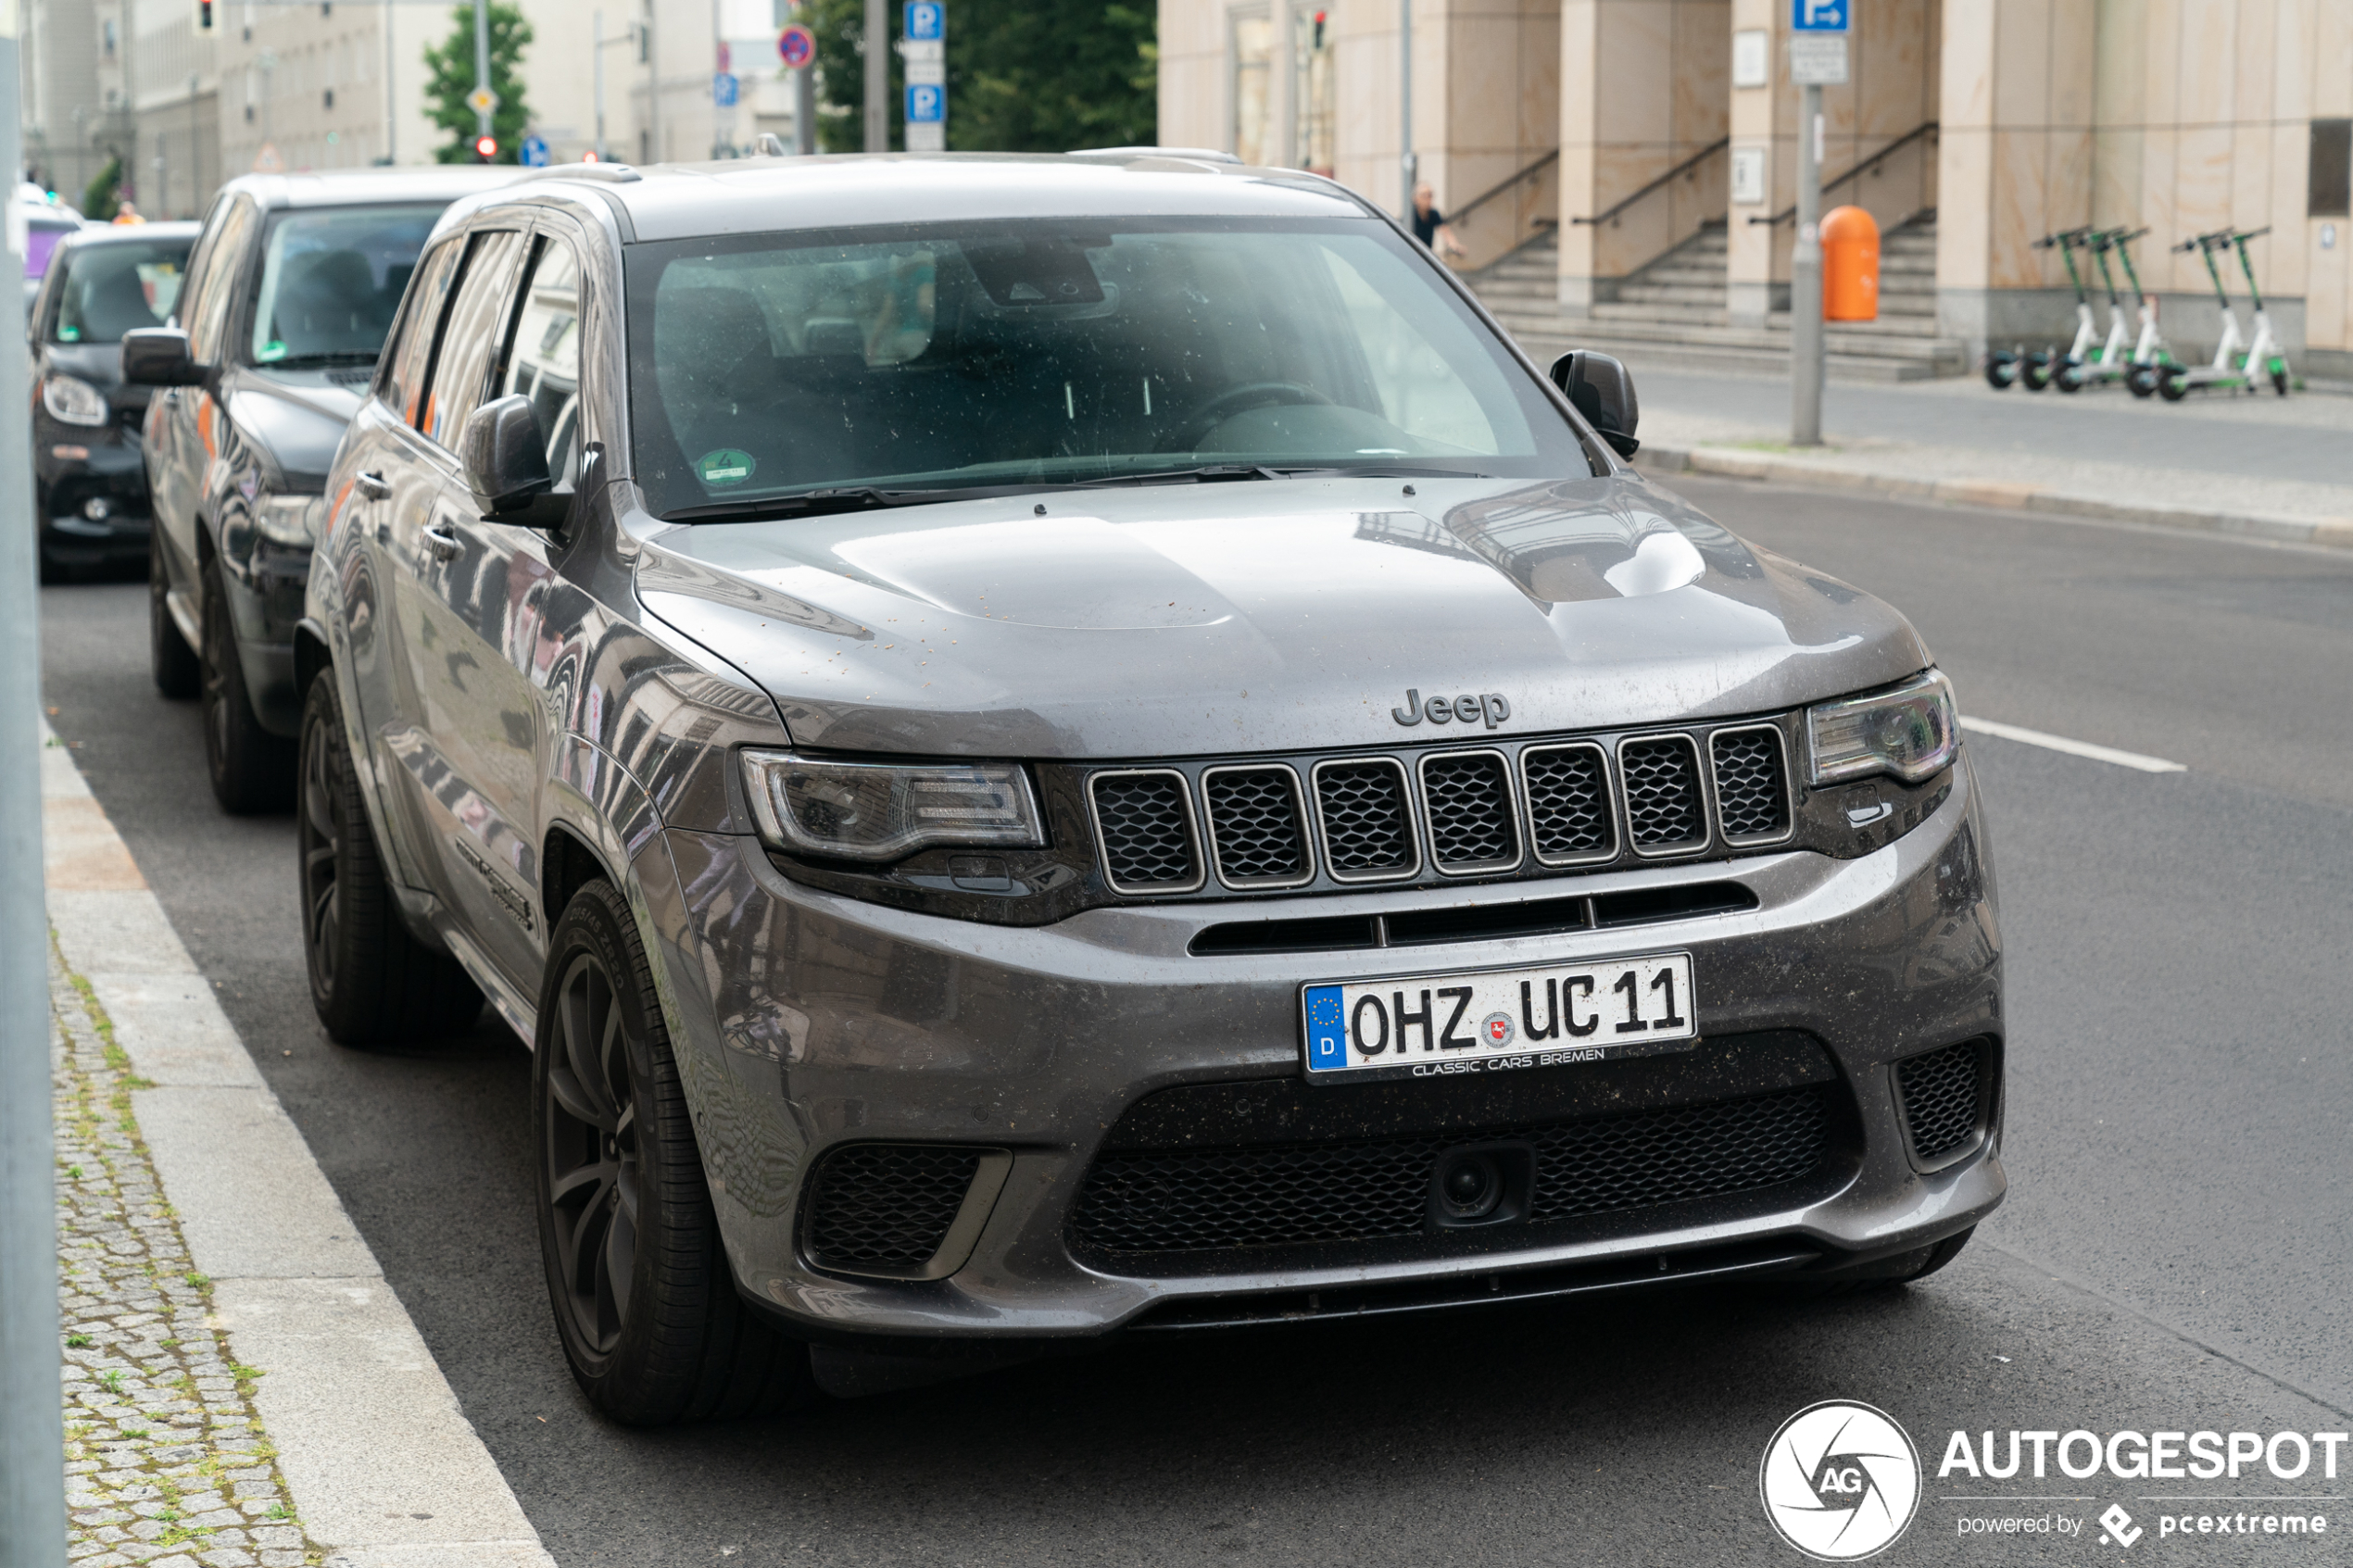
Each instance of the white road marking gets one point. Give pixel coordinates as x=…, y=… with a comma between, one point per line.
x=2074, y=748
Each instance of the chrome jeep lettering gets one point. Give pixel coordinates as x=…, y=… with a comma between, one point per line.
x=1491, y=708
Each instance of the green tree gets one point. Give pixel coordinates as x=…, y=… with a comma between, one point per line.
x=1044, y=75
x=101, y=201
x=450, y=76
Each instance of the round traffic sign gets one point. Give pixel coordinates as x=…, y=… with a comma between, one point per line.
x=482, y=100
x=797, y=46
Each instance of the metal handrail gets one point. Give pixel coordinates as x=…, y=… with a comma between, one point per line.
x=1860, y=167
x=1683, y=168
x=1485, y=196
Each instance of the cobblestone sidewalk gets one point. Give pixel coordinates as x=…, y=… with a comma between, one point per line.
x=166, y=1463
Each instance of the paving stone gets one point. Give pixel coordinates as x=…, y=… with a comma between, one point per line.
x=161, y=1443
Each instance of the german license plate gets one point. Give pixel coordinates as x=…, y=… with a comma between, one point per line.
x=1494, y=1019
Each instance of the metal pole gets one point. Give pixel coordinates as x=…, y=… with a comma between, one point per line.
x=804, y=105
x=391, y=98
x=1806, y=280
x=597, y=51
x=481, y=61
x=653, y=84
x=877, y=76
x=1406, y=102
x=32, y=1478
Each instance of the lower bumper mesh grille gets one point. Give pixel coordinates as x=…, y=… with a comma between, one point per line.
x=1943, y=1091
x=1371, y=1189
x=886, y=1206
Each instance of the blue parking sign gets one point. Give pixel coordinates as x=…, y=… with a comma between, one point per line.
x=533, y=153
x=927, y=104
x=926, y=22
x=725, y=89
x=1812, y=16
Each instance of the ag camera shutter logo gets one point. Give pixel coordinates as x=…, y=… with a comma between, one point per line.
x=1840, y=1481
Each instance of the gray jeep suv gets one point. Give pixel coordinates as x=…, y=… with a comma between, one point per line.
x=1046, y=746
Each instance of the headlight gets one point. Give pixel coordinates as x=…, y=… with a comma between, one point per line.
x=873, y=811
x=287, y=520
x=1908, y=731
x=73, y=400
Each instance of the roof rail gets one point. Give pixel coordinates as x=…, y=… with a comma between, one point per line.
x=611, y=173
x=1207, y=155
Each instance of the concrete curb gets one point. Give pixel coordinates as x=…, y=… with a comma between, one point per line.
x=1835, y=474
x=385, y=1469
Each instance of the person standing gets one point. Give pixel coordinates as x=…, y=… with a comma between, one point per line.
x=1430, y=224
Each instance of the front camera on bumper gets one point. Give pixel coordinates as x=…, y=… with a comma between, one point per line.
x=878, y=811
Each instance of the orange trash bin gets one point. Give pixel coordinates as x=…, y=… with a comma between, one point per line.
x=1850, y=266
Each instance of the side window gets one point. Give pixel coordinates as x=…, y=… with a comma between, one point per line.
x=208, y=316
x=400, y=383
x=543, y=354
x=462, y=365
x=199, y=258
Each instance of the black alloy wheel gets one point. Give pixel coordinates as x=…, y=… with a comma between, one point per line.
x=173, y=662
x=644, y=1298
x=371, y=983
x=252, y=771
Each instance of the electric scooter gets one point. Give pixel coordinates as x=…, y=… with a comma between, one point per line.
x=2042, y=364
x=2107, y=362
x=2231, y=369
x=2151, y=358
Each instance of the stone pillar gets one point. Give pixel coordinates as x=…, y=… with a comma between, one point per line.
x=1764, y=163
x=2015, y=163
x=1641, y=91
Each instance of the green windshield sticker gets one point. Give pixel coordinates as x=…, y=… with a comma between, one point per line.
x=69, y=335
x=725, y=467
x=271, y=350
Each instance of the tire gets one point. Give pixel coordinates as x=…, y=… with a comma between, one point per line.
x=371, y=983
x=2142, y=379
x=2279, y=379
x=637, y=1272
x=2069, y=377
x=177, y=674
x=2001, y=370
x=252, y=771
x=2174, y=383
x=2037, y=373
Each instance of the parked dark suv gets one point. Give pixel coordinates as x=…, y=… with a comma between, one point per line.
x=1052, y=745
x=290, y=289
x=89, y=476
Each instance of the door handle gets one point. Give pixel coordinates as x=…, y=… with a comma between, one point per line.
x=371, y=485
x=442, y=543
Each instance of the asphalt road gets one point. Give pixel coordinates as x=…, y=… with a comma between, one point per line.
x=2175, y=1255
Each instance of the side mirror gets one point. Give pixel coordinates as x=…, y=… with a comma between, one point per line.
x=1602, y=391
x=158, y=357
x=504, y=455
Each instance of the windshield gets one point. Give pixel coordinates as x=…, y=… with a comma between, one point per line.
x=111, y=289
x=331, y=278
x=1063, y=351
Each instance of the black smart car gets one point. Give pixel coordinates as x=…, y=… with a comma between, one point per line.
x=292, y=285
x=89, y=479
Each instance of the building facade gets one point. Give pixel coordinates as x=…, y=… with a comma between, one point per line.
x=1619, y=142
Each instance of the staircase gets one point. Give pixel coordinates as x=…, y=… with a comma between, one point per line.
x=1670, y=316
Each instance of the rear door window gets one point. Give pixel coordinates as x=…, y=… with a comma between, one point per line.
x=409, y=353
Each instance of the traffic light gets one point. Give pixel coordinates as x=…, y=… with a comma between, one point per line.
x=486, y=149
x=203, y=16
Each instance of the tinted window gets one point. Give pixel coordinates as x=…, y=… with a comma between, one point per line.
x=111, y=289
x=2329, y=173
x=1056, y=351
x=467, y=338
x=543, y=354
x=409, y=351
x=208, y=316
x=331, y=281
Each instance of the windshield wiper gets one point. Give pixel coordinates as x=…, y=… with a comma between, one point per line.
x=335, y=356
x=846, y=498
x=1204, y=474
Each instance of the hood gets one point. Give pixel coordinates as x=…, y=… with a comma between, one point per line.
x=1184, y=620
x=298, y=416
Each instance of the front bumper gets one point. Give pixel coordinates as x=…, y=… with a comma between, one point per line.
x=806, y=1021
x=73, y=465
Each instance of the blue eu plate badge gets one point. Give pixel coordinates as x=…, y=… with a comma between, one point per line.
x=1327, y=1030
